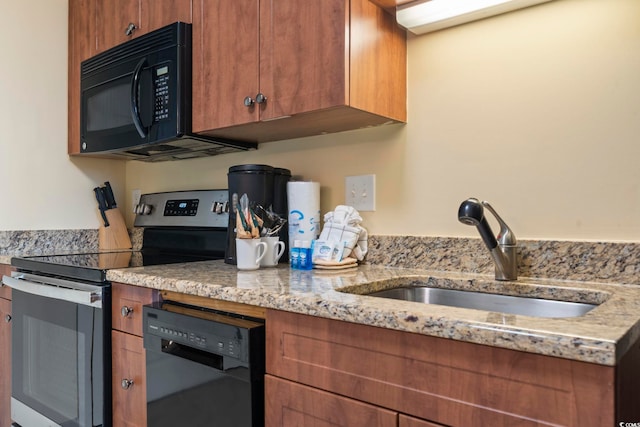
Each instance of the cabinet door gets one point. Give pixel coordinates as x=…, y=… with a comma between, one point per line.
x=128, y=381
x=303, y=55
x=158, y=13
x=82, y=45
x=225, y=63
x=5, y=362
x=292, y=404
x=112, y=19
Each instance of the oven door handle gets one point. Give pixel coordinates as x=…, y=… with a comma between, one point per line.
x=59, y=289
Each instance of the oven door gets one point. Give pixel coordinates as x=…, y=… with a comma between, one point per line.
x=58, y=354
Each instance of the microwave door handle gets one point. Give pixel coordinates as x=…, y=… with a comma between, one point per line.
x=135, y=109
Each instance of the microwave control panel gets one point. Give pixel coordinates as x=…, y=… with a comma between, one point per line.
x=161, y=85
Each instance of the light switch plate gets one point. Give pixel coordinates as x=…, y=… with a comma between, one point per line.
x=360, y=192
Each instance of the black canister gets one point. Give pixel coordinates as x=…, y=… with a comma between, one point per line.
x=256, y=181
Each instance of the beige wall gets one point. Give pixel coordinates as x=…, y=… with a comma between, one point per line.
x=537, y=111
x=40, y=187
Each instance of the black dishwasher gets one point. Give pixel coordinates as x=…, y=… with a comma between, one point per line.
x=204, y=367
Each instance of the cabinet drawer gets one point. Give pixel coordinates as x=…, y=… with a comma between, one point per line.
x=126, y=310
x=291, y=404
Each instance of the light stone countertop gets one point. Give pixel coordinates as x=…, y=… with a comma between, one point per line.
x=601, y=336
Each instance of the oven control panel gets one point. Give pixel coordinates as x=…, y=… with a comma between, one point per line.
x=197, y=208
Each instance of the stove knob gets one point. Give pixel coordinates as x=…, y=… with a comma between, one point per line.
x=142, y=209
x=126, y=311
x=126, y=383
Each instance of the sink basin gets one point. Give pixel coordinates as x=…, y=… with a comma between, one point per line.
x=527, y=306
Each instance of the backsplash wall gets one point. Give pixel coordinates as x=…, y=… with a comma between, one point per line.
x=535, y=111
x=583, y=261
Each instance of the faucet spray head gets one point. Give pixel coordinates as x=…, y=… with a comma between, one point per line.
x=471, y=212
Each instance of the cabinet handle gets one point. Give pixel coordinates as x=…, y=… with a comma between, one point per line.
x=7, y=318
x=126, y=311
x=261, y=99
x=248, y=101
x=130, y=29
x=126, y=383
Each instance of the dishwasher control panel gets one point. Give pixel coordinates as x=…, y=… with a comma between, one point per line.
x=204, y=331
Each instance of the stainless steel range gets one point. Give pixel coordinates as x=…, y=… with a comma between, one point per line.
x=61, y=304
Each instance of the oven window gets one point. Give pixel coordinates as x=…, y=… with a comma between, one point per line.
x=47, y=344
x=57, y=352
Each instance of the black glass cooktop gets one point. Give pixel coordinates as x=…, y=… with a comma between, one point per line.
x=93, y=266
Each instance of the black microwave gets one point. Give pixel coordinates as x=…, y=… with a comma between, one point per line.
x=136, y=101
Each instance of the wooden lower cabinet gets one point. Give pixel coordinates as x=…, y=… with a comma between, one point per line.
x=433, y=380
x=5, y=362
x=406, y=421
x=291, y=404
x=128, y=381
x=128, y=355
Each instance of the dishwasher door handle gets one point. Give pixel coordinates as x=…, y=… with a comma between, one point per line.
x=48, y=287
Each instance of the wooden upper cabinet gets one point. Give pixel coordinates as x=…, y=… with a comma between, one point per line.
x=156, y=14
x=82, y=45
x=323, y=66
x=304, y=56
x=225, y=62
x=113, y=17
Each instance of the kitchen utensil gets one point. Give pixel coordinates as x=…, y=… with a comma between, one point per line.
x=102, y=204
x=108, y=195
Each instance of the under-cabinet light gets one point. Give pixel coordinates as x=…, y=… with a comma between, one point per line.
x=423, y=16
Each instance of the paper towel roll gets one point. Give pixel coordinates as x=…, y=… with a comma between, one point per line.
x=303, y=199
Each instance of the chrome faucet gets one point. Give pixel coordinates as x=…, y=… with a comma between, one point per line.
x=503, y=249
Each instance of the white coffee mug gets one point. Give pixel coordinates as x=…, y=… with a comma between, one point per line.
x=249, y=253
x=275, y=249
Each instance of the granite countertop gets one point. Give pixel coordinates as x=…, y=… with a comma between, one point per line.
x=601, y=336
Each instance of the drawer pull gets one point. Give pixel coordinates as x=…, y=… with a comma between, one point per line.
x=7, y=318
x=126, y=383
x=126, y=311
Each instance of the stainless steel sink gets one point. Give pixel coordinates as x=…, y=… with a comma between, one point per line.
x=527, y=306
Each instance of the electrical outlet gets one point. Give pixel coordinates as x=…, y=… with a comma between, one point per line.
x=360, y=192
x=135, y=198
